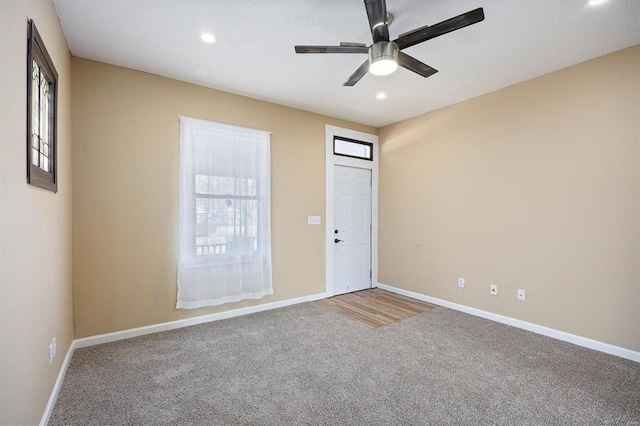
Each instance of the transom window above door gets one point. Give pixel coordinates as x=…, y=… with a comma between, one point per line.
x=352, y=148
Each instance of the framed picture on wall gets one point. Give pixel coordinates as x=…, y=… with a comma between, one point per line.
x=42, y=103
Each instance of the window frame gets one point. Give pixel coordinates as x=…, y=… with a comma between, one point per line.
x=213, y=256
x=190, y=129
x=36, y=51
x=341, y=138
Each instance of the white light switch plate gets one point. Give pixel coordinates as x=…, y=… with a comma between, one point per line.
x=313, y=220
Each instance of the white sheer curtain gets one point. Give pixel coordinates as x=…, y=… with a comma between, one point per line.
x=224, y=214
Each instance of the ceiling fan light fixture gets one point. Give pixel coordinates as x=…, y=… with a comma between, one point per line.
x=383, y=58
x=383, y=67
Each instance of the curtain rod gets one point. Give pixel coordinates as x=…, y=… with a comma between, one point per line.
x=228, y=124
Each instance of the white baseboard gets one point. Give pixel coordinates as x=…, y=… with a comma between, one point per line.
x=125, y=334
x=546, y=331
x=56, y=387
x=171, y=325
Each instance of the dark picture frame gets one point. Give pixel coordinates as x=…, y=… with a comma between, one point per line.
x=42, y=147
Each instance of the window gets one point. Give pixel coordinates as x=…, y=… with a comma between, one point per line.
x=352, y=148
x=224, y=214
x=42, y=94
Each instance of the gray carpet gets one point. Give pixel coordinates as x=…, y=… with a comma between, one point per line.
x=307, y=365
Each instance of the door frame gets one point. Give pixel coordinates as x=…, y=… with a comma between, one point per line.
x=332, y=160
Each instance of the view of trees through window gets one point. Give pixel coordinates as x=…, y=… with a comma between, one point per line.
x=226, y=215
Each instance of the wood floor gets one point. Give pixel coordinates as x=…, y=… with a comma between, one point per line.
x=374, y=307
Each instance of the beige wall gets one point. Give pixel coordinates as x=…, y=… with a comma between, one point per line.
x=35, y=225
x=535, y=186
x=125, y=165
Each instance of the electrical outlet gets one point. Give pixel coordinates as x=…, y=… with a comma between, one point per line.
x=461, y=282
x=493, y=290
x=52, y=350
x=521, y=294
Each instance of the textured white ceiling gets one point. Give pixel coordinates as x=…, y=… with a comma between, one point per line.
x=254, y=52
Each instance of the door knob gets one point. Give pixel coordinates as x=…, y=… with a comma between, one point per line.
x=337, y=241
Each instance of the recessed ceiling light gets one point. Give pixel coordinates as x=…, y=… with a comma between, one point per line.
x=208, y=38
x=596, y=2
x=381, y=95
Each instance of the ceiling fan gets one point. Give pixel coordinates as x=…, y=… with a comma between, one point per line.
x=386, y=55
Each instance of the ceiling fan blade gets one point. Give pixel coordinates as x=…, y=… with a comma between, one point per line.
x=356, y=76
x=428, y=32
x=348, y=43
x=377, y=14
x=415, y=65
x=332, y=49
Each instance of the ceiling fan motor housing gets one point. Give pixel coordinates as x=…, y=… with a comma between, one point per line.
x=383, y=57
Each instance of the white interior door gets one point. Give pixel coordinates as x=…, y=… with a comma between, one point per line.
x=352, y=222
